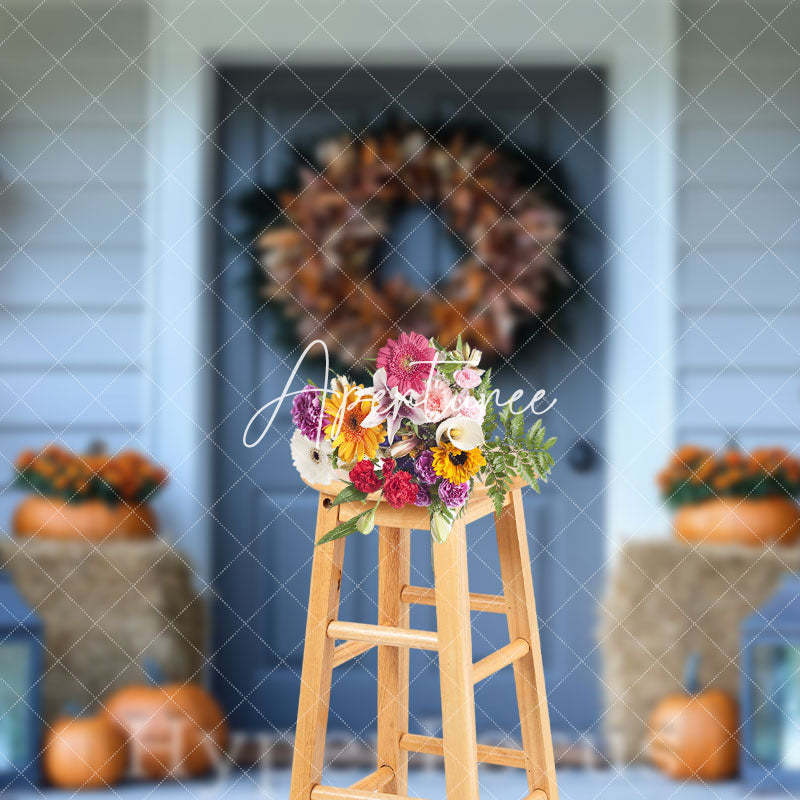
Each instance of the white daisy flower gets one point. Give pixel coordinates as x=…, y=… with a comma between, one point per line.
x=312, y=462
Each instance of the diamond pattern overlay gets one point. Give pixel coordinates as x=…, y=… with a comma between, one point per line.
x=96, y=290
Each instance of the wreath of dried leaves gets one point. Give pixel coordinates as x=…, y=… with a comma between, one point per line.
x=321, y=256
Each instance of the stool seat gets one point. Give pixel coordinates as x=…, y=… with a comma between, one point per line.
x=452, y=641
x=479, y=505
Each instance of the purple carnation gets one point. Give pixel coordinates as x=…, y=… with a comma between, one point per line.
x=453, y=495
x=423, y=466
x=306, y=412
x=423, y=498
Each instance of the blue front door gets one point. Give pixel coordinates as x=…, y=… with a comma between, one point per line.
x=265, y=515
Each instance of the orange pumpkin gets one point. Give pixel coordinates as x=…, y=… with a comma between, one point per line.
x=694, y=734
x=174, y=730
x=84, y=753
x=729, y=520
x=90, y=520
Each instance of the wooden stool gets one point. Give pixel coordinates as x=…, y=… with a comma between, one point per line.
x=453, y=642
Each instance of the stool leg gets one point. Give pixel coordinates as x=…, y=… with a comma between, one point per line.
x=455, y=665
x=394, y=572
x=315, y=684
x=515, y=567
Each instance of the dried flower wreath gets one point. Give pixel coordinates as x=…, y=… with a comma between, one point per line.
x=321, y=256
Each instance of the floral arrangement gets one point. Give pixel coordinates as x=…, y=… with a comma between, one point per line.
x=694, y=474
x=321, y=256
x=422, y=434
x=127, y=477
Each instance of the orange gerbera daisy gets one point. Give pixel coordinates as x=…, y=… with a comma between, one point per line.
x=347, y=409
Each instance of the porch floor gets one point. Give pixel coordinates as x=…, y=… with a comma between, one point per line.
x=638, y=783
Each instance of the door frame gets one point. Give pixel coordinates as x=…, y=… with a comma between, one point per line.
x=568, y=584
x=638, y=55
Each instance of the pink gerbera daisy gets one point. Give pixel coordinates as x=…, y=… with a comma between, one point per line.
x=408, y=362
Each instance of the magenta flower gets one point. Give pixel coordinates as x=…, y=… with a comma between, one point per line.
x=408, y=362
x=453, y=495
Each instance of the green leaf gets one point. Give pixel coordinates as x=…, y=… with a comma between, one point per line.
x=489, y=422
x=348, y=495
x=344, y=528
x=517, y=426
x=498, y=496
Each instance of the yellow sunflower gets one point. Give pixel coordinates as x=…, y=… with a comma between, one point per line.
x=346, y=411
x=457, y=466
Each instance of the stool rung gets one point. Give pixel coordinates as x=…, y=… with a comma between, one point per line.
x=375, y=781
x=487, y=754
x=333, y=793
x=348, y=651
x=494, y=662
x=489, y=603
x=383, y=634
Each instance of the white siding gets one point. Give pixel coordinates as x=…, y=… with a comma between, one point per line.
x=72, y=299
x=739, y=274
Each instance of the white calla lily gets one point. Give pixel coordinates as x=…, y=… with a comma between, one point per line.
x=462, y=432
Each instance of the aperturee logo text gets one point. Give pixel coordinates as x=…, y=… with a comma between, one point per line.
x=424, y=432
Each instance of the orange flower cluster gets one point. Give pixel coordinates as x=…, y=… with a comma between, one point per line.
x=323, y=262
x=128, y=476
x=697, y=473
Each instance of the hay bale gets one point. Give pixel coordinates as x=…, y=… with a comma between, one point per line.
x=664, y=600
x=105, y=610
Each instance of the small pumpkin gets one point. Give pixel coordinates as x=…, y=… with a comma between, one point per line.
x=694, y=733
x=84, y=752
x=88, y=520
x=758, y=522
x=175, y=729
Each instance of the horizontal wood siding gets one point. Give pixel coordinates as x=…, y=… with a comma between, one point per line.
x=72, y=161
x=739, y=274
